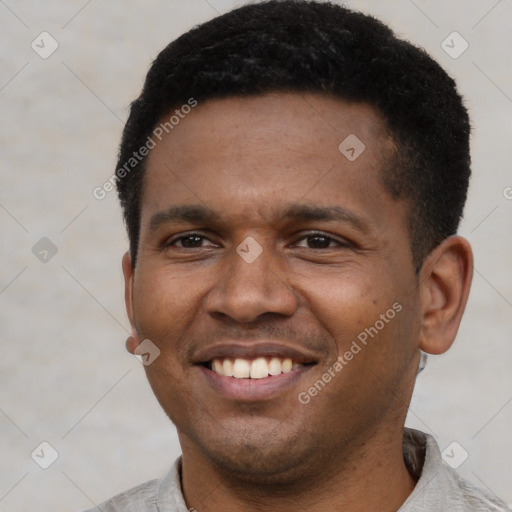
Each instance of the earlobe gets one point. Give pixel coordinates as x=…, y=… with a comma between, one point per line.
x=131, y=344
x=445, y=281
x=132, y=341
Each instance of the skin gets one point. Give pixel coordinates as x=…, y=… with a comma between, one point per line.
x=247, y=159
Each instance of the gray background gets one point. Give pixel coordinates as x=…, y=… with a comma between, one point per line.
x=65, y=376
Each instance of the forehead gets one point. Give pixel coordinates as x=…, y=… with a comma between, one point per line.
x=245, y=155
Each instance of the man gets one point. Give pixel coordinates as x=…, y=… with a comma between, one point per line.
x=292, y=178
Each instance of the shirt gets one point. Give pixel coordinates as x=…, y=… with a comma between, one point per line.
x=438, y=489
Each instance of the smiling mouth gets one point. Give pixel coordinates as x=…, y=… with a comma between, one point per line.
x=257, y=368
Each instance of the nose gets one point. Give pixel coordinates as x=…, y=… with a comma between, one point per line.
x=249, y=289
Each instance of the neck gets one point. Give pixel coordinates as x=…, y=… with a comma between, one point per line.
x=370, y=476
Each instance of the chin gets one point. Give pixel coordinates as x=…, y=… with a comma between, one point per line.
x=266, y=455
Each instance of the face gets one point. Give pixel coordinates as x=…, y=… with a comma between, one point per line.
x=267, y=251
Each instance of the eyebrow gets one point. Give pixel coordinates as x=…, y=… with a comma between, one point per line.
x=183, y=213
x=307, y=212
x=298, y=212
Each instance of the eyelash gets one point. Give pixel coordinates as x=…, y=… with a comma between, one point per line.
x=313, y=234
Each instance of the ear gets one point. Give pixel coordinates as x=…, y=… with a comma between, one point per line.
x=132, y=340
x=445, y=280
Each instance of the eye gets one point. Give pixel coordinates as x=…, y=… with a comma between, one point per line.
x=322, y=241
x=188, y=241
x=315, y=240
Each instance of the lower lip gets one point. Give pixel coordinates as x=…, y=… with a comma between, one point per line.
x=250, y=390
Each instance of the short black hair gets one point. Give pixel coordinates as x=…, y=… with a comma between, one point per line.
x=318, y=47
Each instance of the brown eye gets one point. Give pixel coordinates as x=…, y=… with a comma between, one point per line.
x=321, y=241
x=189, y=241
x=318, y=242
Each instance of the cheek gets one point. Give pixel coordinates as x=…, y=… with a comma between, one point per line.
x=348, y=300
x=162, y=310
x=161, y=304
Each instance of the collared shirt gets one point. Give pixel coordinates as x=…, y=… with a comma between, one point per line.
x=439, y=488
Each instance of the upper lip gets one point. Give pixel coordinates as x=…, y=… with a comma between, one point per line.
x=252, y=350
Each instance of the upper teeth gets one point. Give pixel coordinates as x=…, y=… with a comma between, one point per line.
x=254, y=369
